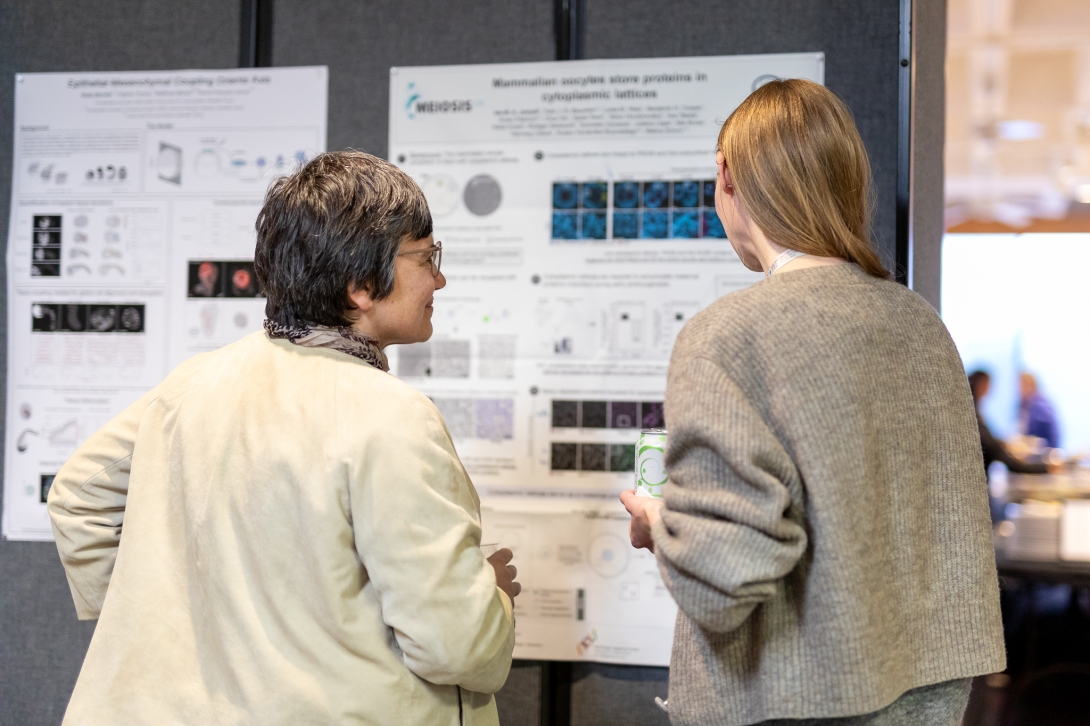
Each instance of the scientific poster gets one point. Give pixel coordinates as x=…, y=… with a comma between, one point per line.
x=131, y=242
x=574, y=202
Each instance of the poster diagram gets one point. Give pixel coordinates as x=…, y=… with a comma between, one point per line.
x=131, y=241
x=576, y=206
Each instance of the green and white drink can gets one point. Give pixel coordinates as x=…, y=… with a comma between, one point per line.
x=650, y=469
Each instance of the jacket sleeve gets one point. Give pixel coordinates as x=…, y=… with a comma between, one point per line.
x=87, y=507
x=729, y=532
x=418, y=533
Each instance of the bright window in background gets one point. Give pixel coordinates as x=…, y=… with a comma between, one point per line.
x=1022, y=302
x=1015, y=270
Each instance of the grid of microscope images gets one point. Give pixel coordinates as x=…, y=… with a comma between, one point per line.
x=640, y=210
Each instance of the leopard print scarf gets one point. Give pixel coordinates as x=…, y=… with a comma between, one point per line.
x=346, y=340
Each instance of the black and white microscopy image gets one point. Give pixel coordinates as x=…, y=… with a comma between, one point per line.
x=564, y=457
x=84, y=318
x=414, y=361
x=565, y=414
x=592, y=457
x=45, y=484
x=450, y=358
x=102, y=318
x=458, y=414
x=594, y=415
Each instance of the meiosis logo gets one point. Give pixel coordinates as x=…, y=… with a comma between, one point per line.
x=415, y=105
x=443, y=106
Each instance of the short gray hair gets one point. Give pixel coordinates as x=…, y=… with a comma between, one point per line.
x=335, y=224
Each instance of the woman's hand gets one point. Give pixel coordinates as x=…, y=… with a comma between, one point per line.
x=505, y=573
x=645, y=511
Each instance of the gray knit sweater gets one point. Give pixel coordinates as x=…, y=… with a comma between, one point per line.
x=826, y=531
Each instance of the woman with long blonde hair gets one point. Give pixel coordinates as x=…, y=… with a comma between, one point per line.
x=825, y=531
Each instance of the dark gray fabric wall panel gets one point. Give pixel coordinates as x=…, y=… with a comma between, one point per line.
x=519, y=701
x=609, y=695
x=360, y=42
x=41, y=642
x=858, y=37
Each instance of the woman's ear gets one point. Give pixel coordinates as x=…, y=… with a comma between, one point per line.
x=725, y=180
x=360, y=299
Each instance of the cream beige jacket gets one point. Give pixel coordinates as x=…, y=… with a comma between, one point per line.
x=279, y=535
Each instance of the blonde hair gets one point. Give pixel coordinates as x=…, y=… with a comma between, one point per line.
x=801, y=170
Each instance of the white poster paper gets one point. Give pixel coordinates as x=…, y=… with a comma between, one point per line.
x=131, y=242
x=575, y=205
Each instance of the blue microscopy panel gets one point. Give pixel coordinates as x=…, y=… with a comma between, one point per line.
x=685, y=225
x=626, y=225
x=594, y=195
x=565, y=196
x=712, y=227
x=564, y=225
x=656, y=194
x=592, y=225
x=654, y=225
x=709, y=193
x=626, y=195
x=686, y=194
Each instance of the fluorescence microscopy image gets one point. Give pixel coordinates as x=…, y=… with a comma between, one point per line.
x=564, y=225
x=626, y=225
x=593, y=195
x=654, y=225
x=563, y=457
x=626, y=195
x=592, y=225
x=709, y=193
x=711, y=226
x=565, y=196
x=652, y=415
x=686, y=194
x=685, y=225
x=592, y=457
x=656, y=195
x=622, y=457
x=624, y=415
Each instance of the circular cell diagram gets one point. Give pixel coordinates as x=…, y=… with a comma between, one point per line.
x=607, y=555
x=441, y=191
x=482, y=195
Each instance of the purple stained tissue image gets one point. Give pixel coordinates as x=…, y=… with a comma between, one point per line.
x=652, y=415
x=495, y=418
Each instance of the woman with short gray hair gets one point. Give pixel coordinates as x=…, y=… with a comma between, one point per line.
x=300, y=540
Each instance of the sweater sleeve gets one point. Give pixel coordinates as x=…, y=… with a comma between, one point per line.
x=87, y=507
x=729, y=532
x=418, y=534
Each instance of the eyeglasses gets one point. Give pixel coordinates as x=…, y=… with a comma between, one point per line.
x=436, y=259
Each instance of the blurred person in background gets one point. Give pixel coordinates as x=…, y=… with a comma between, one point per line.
x=1036, y=416
x=980, y=382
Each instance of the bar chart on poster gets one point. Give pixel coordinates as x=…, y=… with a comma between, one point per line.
x=576, y=206
x=131, y=242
